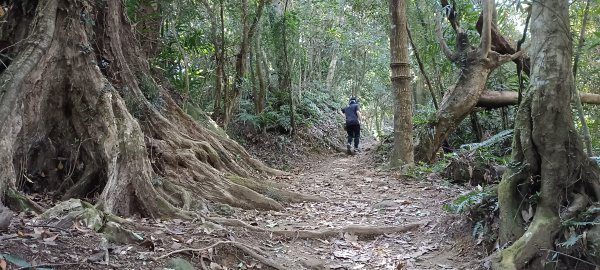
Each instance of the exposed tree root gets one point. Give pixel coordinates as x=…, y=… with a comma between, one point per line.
x=362, y=231
x=250, y=251
x=111, y=133
x=20, y=203
x=540, y=235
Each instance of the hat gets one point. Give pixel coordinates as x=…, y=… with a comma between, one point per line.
x=353, y=99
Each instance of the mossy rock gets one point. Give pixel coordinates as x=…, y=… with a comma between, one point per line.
x=115, y=233
x=68, y=212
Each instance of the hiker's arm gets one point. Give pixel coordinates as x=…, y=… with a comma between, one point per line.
x=359, y=116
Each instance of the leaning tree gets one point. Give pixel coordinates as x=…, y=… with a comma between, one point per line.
x=475, y=65
x=83, y=114
x=550, y=178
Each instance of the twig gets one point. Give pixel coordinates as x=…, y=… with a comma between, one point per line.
x=248, y=250
x=52, y=227
x=48, y=265
x=193, y=249
x=574, y=258
x=7, y=237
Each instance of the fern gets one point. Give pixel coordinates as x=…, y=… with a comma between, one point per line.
x=571, y=241
x=464, y=202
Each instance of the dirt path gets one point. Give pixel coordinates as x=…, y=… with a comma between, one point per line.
x=356, y=192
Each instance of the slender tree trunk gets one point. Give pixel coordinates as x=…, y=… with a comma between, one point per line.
x=262, y=87
x=287, y=76
x=475, y=127
x=402, y=153
x=436, y=69
x=331, y=70
x=422, y=69
x=241, y=62
x=587, y=138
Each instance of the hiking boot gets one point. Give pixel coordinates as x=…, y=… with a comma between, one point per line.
x=349, y=148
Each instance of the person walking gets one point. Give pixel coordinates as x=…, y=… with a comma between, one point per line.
x=353, y=119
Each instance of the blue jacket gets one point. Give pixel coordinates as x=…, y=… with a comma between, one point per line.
x=351, y=113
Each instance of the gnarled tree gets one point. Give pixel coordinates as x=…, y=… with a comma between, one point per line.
x=550, y=173
x=475, y=65
x=81, y=114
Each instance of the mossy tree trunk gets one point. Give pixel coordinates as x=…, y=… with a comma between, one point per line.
x=550, y=172
x=105, y=130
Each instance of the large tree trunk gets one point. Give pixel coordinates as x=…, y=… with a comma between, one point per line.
x=548, y=158
x=108, y=132
x=475, y=66
x=402, y=152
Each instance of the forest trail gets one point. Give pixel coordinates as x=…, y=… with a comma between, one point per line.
x=357, y=192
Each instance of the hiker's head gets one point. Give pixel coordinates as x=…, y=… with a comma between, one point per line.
x=353, y=100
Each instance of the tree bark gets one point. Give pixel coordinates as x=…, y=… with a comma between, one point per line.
x=260, y=99
x=331, y=70
x=402, y=152
x=131, y=148
x=547, y=153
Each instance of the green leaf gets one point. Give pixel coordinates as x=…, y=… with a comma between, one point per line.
x=15, y=260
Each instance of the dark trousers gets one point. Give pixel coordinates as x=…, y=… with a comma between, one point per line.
x=353, y=133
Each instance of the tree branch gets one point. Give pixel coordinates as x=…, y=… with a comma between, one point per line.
x=504, y=58
x=440, y=37
x=422, y=69
x=486, y=33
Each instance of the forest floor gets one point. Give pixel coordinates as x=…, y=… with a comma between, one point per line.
x=356, y=191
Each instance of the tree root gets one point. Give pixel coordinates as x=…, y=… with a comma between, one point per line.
x=250, y=251
x=362, y=231
x=20, y=203
x=273, y=190
x=539, y=235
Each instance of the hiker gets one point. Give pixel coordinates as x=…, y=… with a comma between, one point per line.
x=352, y=113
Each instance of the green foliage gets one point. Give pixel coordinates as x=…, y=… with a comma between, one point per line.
x=584, y=219
x=482, y=208
x=150, y=90
x=423, y=115
x=468, y=201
